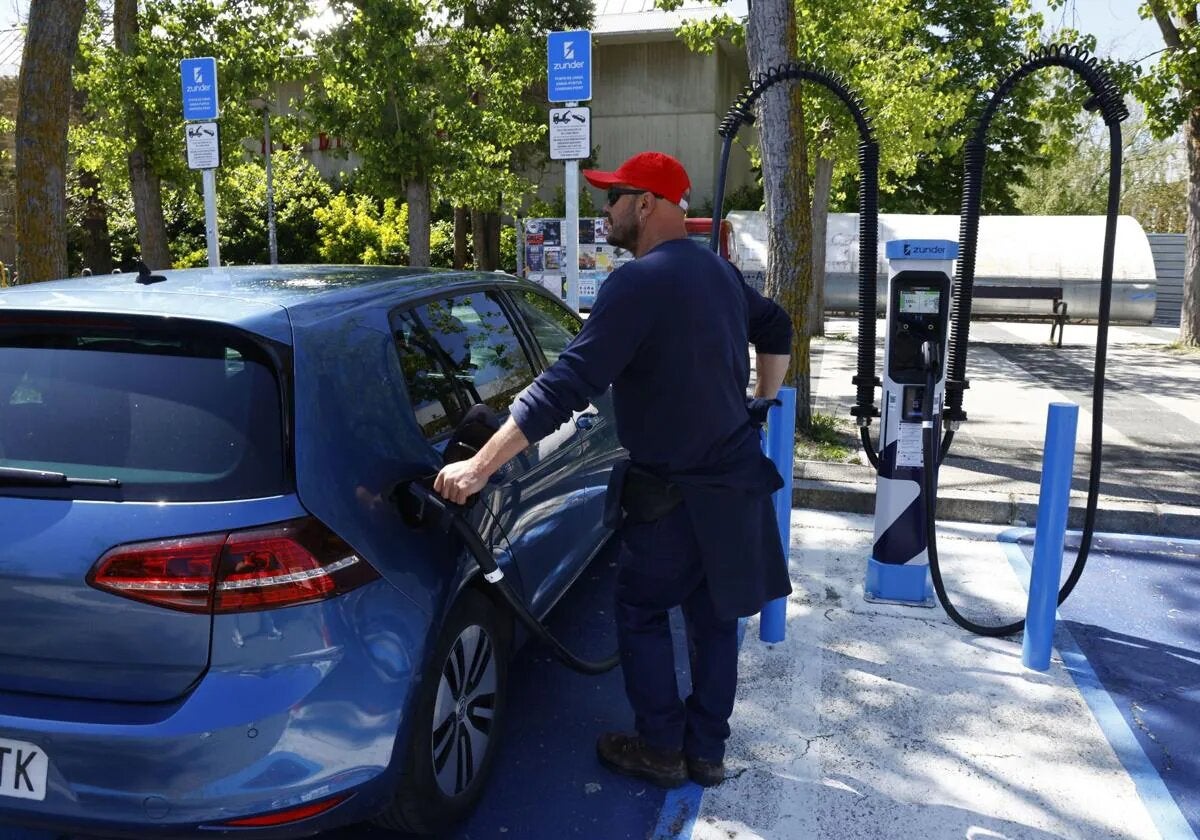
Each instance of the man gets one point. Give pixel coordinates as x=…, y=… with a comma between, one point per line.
x=669, y=332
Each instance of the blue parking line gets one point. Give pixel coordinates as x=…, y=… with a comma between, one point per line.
x=1159, y=803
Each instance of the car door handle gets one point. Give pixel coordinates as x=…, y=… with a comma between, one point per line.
x=585, y=422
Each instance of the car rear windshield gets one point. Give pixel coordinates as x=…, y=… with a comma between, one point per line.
x=193, y=414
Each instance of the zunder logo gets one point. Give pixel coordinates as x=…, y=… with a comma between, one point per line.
x=198, y=75
x=568, y=50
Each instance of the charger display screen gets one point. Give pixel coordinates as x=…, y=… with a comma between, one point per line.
x=919, y=301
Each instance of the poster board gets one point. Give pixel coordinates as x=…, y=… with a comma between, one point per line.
x=542, y=243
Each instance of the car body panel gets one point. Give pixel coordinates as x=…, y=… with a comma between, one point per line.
x=125, y=650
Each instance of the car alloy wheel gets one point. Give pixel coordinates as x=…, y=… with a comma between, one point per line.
x=464, y=710
x=459, y=715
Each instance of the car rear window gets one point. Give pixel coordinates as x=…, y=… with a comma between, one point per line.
x=192, y=415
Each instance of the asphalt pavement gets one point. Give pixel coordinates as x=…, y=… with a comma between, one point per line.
x=1150, y=464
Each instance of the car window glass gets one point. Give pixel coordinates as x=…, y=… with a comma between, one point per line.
x=470, y=337
x=185, y=417
x=431, y=388
x=553, y=325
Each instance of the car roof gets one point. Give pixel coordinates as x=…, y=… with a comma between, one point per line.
x=248, y=296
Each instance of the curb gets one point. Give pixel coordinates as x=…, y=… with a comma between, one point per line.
x=814, y=488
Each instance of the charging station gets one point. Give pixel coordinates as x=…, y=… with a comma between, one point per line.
x=914, y=353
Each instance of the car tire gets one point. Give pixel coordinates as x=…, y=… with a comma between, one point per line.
x=458, y=717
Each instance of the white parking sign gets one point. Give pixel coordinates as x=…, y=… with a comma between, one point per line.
x=570, y=133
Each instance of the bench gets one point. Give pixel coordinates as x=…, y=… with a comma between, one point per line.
x=1051, y=293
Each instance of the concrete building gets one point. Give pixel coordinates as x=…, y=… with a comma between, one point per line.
x=649, y=91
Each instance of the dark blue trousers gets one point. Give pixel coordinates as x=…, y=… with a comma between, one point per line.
x=659, y=567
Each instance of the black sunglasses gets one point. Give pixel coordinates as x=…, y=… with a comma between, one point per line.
x=615, y=193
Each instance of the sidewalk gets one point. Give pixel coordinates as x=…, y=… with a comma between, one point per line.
x=1150, y=476
x=876, y=721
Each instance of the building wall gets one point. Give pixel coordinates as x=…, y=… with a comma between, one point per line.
x=660, y=95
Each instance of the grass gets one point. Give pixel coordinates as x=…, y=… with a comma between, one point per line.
x=1180, y=347
x=831, y=439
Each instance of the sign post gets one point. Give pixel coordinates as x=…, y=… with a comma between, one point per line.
x=569, y=80
x=198, y=78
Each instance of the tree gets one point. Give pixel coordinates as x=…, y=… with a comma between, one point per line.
x=1074, y=179
x=134, y=137
x=1171, y=95
x=771, y=42
x=144, y=182
x=373, y=88
x=43, y=111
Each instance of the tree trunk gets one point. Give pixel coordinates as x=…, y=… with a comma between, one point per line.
x=97, y=247
x=43, y=111
x=485, y=235
x=1189, y=317
x=418, y=223
x=144, y=183
x=770, y=41
x=822, y=182
x=462, y=223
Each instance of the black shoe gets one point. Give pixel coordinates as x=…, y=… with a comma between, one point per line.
x=706, y=773
x=631, y=756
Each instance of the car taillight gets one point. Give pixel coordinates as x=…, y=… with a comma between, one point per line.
x=294, y=562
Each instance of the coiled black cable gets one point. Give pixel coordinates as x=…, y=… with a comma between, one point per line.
x=740, y=113
x=1108, y=99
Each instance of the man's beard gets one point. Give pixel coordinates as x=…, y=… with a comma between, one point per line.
x=619, y=238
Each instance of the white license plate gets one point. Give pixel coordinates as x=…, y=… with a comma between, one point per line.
x=23, y=768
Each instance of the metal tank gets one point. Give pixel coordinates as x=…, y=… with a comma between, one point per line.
x=1016, y=251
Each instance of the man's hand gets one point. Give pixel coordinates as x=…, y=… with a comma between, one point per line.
x=758, y=408
x=459, y=481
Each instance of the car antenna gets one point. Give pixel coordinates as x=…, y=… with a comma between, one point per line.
x=145, y=277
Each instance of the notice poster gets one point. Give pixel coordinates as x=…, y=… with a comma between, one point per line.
x=604, y=259
x=533, y=258
x=552, y=258
x=551, y=232
x=587, y=257
x=601, y=226
x=587, y=231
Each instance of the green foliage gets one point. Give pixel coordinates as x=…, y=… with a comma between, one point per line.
x=255, y=44
x=828, y=439
x=1074, y=181
x=745, y=197
x=354, y=229
x=441, y=244
x=299, y=193
x=922, y=68
x=557, y=209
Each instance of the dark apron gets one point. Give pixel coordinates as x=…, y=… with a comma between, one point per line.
x=732, y=517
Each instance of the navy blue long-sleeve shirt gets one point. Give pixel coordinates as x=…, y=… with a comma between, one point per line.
x=669, y=332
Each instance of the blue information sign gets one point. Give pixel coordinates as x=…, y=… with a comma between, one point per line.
x=569, y=66
x=922, y=249
x=199, y=78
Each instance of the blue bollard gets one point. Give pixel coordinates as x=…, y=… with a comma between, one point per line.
x=781, y=449
x=1058, y=461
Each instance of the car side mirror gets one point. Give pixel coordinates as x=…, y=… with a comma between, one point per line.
x=473, y=431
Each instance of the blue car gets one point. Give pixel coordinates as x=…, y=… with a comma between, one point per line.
x=215, y=612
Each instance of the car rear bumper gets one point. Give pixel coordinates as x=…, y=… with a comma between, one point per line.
x=298, y=705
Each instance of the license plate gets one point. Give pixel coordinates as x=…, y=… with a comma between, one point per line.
x=23, y=768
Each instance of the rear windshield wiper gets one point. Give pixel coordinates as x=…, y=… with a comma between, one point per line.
x=14, y=477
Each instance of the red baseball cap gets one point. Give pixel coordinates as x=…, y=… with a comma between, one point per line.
x=653, y=172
